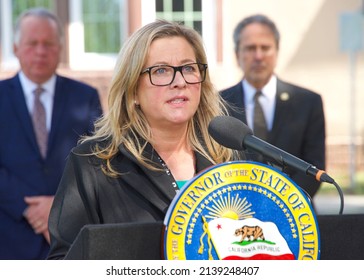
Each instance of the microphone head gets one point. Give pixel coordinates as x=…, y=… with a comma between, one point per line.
x=229, y=132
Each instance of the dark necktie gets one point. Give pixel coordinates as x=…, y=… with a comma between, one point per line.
x=260, y=125
x=39, y=122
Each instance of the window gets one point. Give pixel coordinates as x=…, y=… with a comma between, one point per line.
x=198, y=14
x=102, y=26
x=188, y=12
x=98, y=28
x=96, y=32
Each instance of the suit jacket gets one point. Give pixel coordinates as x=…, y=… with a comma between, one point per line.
x=298, y=126
x=23, y=171
x=87, y=196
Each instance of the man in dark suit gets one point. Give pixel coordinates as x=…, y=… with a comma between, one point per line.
x=30, y=170
x=293, y=117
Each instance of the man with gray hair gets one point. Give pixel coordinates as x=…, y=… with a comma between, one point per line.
x=285, y=115
x=42, y=117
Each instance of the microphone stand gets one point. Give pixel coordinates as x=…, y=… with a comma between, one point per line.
x=341, y=197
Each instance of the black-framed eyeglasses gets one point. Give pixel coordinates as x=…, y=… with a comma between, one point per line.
x=163, y=75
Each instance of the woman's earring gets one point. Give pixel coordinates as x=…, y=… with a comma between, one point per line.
x=135, y=103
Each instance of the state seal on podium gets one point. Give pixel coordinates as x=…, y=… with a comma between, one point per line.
x=241, y=210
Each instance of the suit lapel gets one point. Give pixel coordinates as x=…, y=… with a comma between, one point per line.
x=20, y=108
x=282, y=109
x=60, y=97
x=236, y=97
x=241, y=100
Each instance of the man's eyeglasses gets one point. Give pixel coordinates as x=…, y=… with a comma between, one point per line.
x=163, y=75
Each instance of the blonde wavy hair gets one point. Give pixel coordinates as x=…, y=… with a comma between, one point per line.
x=125, y=123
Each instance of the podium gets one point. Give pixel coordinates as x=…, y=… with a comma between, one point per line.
x=340, y=237
x=129, y=241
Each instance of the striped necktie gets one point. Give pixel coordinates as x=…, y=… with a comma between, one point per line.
x=260, y=125
x=39, y=122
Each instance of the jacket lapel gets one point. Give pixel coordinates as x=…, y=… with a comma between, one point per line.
x=235, y=97
x=201, y=163
x=20, y=108
x=238, y=98
x=60, y=97
x=282, y=110
x=160, y=179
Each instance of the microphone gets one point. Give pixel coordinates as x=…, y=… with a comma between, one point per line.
x=234, y=134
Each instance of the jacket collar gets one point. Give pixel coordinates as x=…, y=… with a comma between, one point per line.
x=160, y=179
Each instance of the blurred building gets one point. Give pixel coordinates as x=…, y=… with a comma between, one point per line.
x=310, y=52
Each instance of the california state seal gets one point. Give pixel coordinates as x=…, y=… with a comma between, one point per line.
x=241, y=210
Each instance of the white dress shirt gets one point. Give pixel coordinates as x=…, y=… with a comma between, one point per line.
x=46, y=97
x=267, y=101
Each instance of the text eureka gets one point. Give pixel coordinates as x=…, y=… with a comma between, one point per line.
x=201, y=187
